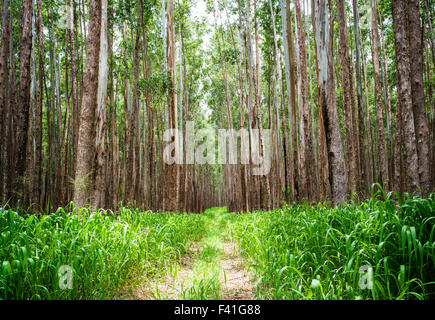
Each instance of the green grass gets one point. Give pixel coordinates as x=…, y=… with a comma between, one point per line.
x=106, y=251
x=306, y=252
x=298, y=252
x=204, y=283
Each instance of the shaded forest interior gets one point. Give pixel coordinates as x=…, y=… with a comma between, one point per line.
x=89, y=88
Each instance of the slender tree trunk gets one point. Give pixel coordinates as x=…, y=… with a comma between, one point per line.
x=404, y=96
x=37, y=173
x=31, y=136
x=85, y=148
x=170, y=195
x=324, y=176
x=361, y=128
x=97, y=197
x=417, y=95
x=263, y=179
x=4, y=110
x=382, y=158
x=387, y=100
x=21, y=116
x=66, y=143
x=10, y=134
x=150, y=131
x=324, y=52
x=370, y=159
x=291, y=93
x=74, y=92
x=348, y=102
x=279, y=92
x=244, y=167
x=309, y=165
x=134, y=188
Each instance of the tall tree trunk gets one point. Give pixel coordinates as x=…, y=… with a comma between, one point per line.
x=9, y=134
x=279, y=92
x=150, y=118
x=417, y=95
x=98, y=191
x=37, y=177
x=66, y=143
x=382, y=158
x=74, y=92
x=309, y=165
x=370, y=159
x=404, y=96
x=348, y=101
x=4, y=110
x=362, y=163
x=85, y=148
x=30, y=165
x=324, y=176
x=244, y=167
x=387, y=99
x=134, y=186
x=324, y=52
x=291, y=93
x=170, y=195
x=263, y=179
x=21, y=116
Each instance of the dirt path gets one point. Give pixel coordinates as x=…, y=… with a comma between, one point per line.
x=169, y=286
x=238, y=284
x=212, y=269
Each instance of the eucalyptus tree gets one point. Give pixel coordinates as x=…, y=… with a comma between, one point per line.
x=86, y=140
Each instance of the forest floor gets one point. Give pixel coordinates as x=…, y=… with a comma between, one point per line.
x=211, y=269
x=297, y=252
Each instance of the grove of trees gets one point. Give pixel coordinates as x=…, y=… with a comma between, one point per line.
x=88, y=88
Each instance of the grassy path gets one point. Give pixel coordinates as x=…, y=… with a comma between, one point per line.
x=211, y=270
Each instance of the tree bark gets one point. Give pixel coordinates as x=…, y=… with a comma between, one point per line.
x=21, y=116
x=37, y=177
x=309, y=165
x=324, y=52
x=404, y=96
x=382, y=158
x=98, y=196
x=170, y=195
x=417, y=95
x=362, y=163
x=4, y=109
x=348, y=101
x=85, y=148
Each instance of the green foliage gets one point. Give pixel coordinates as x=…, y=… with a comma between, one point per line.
x=106, y=251
x=158, y=83
x=305, y=252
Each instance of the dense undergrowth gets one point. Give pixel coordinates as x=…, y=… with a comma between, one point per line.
x=306, y=252
x=105, y=251
x=378, y=249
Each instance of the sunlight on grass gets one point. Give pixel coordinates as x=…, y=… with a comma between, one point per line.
x=306, y=252
x=104, y=250
x=298, y=252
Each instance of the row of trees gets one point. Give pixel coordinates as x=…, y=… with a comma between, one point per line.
x=88, y=88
